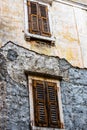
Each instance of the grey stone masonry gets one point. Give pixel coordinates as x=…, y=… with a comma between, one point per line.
x=14, y=98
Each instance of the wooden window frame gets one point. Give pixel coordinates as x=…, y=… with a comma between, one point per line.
x=30, y=86
x=29, y=35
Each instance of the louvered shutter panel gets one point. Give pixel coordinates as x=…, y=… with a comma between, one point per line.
x=53, y=109
x=39, y=103
x=33, y=17
x=43, y=12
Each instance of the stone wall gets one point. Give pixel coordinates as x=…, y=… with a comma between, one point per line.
x=69, y=28
x=14, y=101
x=14, y=105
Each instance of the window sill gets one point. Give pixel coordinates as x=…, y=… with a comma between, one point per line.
x=45, y=128
x=46, y=1
x=28, y=36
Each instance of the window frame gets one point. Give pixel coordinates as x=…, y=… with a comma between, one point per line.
x=29, y=35
x=31, y=101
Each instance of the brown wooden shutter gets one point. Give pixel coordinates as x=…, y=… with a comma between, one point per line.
x=33, y=17
x=43, y=12
x=40, y=103
x=53, y=109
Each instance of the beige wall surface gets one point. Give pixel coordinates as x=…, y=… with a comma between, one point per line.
x=80, y=1
x=69, y=26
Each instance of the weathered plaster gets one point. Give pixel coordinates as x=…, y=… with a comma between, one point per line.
x=81, y=1
x=69, y=28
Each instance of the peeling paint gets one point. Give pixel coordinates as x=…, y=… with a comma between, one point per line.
x=65, y=29
x=68, y=36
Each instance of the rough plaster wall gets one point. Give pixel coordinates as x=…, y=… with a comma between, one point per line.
x=65, y=31
x=11, y=21
x=80, y=1
x=81, y=18
x=13, y=85
x=69, y=43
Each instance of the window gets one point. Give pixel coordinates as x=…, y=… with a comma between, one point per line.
x=38, y=23
x=45, y=104
x=38, y=19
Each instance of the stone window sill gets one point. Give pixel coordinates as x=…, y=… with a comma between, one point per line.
x=28, y=36
x=45, y=128
x=46, y=1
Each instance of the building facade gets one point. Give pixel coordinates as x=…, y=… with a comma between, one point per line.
x=43, y=66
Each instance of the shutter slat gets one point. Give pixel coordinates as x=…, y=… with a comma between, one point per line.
x=39, y=103
x=34, y=23
x=45, y=25
x=46, y=109
x=33, y=18
x=45, y=30
x=43, y=11
x=52, y=99
x=33, y=8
